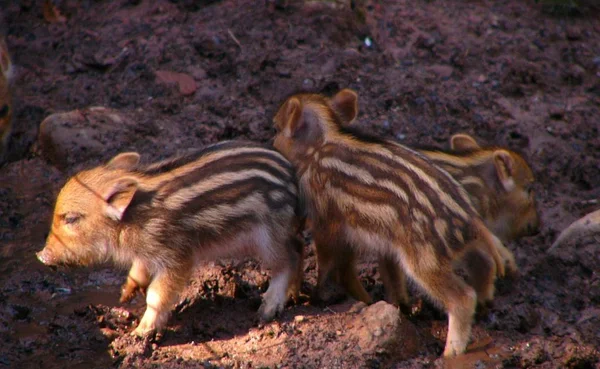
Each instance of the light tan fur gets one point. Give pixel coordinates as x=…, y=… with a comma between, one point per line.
x=352, y=212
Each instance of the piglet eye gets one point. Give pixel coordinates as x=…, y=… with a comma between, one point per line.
x=72, y=218
x=4, y=111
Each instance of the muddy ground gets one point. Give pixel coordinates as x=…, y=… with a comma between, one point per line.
x=509, y=72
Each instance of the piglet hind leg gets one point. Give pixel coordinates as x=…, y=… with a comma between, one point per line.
x=481, y=273
x=459, y=299
x=347, y=275
x=285, y=265
x=162, y=293
x=297, y=260
x=275, y=298
x=336, y=259
x=394, y=283
x=137, y=280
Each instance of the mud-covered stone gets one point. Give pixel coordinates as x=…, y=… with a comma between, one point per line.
x=78, y=136
x=380, y=328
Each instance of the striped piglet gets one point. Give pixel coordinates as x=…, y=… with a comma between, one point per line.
x=231, y=199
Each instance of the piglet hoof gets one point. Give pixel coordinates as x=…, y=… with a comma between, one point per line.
x=293, y=295
x=268, y=312
x=483, y=310
x=452, y=352
x=510, y=266
x=327, y=294
x=406, y=308
x=144, y=332
x=129, y=290
x=512, y=272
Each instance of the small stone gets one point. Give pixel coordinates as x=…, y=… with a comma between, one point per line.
x=308, y=83
x=299, y=318
x=442, y=71
x=185, y=82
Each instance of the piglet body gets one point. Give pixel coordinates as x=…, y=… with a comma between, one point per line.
x=231, y=199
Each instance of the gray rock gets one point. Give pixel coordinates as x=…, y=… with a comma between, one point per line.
x=79, y=136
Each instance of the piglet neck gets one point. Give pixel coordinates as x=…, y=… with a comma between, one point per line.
x=124, y=244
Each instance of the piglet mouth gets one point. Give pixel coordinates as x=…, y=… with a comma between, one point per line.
x=46, y=259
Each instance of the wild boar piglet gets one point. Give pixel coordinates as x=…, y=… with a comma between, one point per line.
x=366, y=194
x=231, y=199
x=500, y=185
x=499, y=182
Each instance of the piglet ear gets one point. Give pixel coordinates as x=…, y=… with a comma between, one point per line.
x=288, y=118
x=462, y=142
x=119, y=196
x=345, y=104
x=505, y=165
x=126, y=160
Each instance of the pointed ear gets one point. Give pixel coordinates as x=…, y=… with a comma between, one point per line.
x=126, y=160
x=288, y=116
x=119, y=196
x=505, y=165
x=462, y=142
x=345, y=104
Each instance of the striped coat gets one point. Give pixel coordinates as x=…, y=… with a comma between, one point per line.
x=366, y=194
x=231, y=199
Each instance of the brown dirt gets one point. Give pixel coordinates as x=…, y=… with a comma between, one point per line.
x=505, y=71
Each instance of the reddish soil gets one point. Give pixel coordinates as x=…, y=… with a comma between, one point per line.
x=508, y=72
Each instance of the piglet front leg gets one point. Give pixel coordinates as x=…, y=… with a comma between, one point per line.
x=162, y=293
x=137, y=280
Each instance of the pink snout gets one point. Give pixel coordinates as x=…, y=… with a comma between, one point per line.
x=45, y=256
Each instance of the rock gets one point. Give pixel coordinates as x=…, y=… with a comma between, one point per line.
x=380, y=328
x=358, y=307
x=442, y=71
x=185, y=82
x=67, y=139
